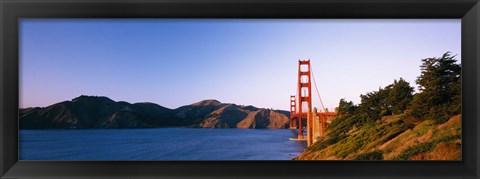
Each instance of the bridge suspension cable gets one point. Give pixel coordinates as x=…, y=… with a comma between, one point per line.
x=318, y=93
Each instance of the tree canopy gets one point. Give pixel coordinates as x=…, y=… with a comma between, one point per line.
x=438, y=99
x=440, y=89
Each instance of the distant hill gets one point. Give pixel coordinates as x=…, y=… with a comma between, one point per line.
x=85, y=112
x=234, y=116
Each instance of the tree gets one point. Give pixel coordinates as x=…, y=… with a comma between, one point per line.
x=393, y=99
x=400, y=96
x=440, y=89
x=345, y=107
x=374, y=105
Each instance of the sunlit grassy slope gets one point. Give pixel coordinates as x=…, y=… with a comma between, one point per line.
x=392, y=138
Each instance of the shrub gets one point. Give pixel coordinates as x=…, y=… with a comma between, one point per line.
x=374, y=155
x=411, y=151
x=424, y=147
x=322, y=144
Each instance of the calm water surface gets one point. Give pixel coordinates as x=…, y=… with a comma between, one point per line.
x=159, y=144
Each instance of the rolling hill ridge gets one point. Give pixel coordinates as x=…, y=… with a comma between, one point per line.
x=86, y=112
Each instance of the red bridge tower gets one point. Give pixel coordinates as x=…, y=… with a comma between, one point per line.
x=301, y=106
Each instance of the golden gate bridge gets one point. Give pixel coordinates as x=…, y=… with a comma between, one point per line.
x=301, y=107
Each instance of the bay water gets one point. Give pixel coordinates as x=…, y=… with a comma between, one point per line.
x=159, y=144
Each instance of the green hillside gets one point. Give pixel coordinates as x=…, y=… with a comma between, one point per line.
x=394, y=123
x=392, y=138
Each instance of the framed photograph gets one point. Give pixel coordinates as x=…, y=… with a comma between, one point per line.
x=246, y=89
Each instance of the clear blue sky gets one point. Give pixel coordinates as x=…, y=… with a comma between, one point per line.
x=251, y=62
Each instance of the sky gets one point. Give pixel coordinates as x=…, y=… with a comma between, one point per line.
x=176, y=62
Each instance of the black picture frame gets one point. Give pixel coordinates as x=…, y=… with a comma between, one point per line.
x=466, y=10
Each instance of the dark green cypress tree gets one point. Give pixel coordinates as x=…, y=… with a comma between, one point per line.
x=400, y=96
x=440, y=89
